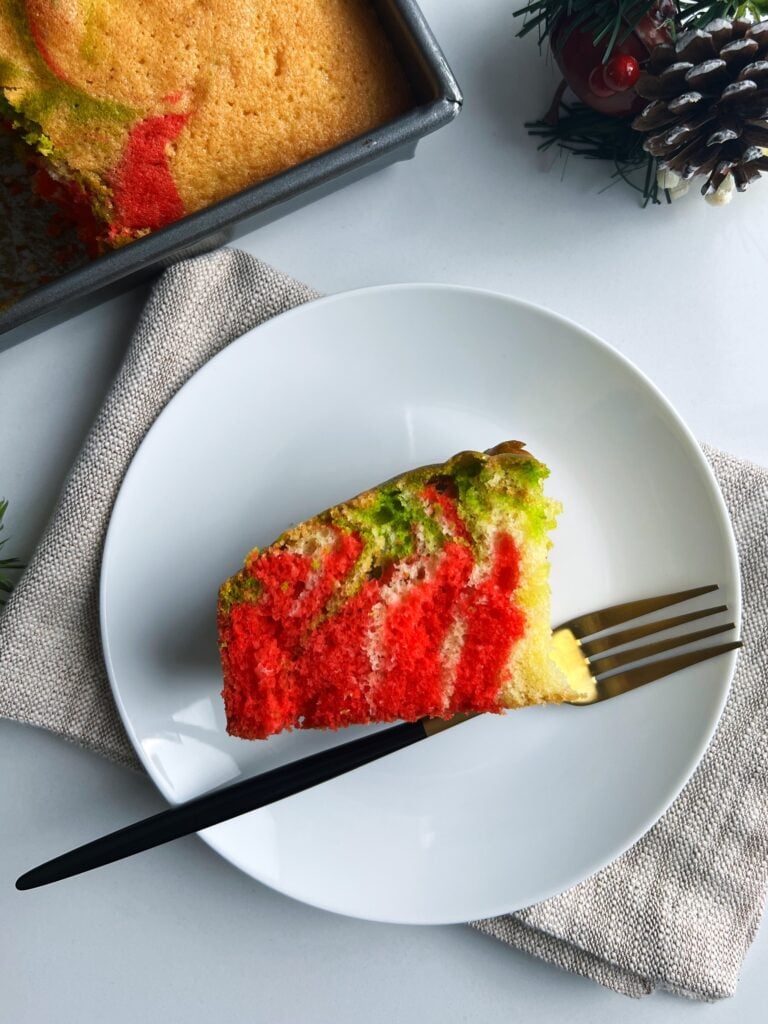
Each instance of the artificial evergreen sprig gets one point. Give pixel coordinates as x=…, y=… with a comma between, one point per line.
x=611, y=21
x=7, y=565
x=582, y=131
x=636, y=105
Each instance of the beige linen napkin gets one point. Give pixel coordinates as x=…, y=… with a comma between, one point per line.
x=677, y=911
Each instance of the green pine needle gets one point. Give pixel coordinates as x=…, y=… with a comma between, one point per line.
x=7, y=565
x=608, y=20
x=585, y=132
x=611, y=21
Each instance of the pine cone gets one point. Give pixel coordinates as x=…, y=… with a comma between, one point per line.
x=709, y=109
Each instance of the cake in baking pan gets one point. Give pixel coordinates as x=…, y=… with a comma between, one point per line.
x=140, y=113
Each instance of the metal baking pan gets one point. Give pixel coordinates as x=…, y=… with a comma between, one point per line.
x=437, y=101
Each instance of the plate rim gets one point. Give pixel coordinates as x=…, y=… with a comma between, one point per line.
x=209, y=836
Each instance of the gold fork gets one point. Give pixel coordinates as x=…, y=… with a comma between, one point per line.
x=593, y=671
x=595, y=668
x=593, y=659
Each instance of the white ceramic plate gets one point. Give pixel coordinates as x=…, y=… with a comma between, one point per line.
x=315, y=406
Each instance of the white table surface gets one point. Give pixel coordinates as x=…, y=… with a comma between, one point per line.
x=177, y=934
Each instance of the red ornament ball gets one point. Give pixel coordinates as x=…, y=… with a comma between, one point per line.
x=609, y=88
x=621, y=72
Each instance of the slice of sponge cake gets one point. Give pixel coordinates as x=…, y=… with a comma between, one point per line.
x=425, y=596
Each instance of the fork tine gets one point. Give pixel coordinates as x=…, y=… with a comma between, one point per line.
x=626, y=636
x=631, y=679
x=604, y=618
x=608, y=662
